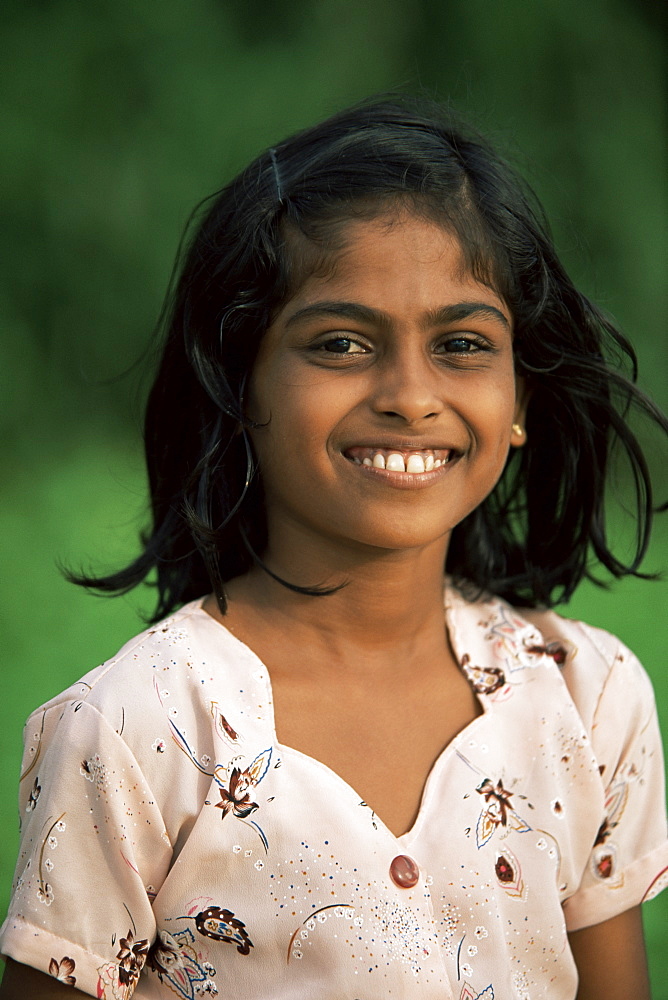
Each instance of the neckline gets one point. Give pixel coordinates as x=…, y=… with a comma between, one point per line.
x=425, y=796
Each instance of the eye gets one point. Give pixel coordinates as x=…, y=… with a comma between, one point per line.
x=463, y=344
x=341, y=345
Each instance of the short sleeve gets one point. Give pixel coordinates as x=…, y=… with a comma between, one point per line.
x=628, y=862
x=93, y=850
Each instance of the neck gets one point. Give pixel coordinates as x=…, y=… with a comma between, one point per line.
x=391, y=599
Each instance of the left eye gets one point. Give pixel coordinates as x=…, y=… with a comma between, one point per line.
x=461, y=345
x=342, y=345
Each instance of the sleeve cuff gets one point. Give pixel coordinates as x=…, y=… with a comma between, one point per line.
x=641, y=881
x=70, y=963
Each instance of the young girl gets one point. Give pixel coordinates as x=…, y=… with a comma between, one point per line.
x=338, y=776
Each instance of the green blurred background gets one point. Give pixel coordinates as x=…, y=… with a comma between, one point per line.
x=121, y=115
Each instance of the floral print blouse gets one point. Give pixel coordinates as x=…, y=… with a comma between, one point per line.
x=172, y=847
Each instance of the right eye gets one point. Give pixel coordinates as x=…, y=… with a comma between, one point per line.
x=341, y=345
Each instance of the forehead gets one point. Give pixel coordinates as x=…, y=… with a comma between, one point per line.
x=394, y=256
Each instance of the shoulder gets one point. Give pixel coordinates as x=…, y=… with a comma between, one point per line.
x=600, y=675
x=162, y=685
x=177, y=647
x=155, y=710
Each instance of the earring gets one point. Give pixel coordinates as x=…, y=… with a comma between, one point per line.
x=518, y=430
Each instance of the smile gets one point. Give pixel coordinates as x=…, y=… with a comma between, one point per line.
x=411, y=461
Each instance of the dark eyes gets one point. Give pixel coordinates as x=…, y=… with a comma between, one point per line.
x=347, y=346
x=463, y=345
x=342, y=345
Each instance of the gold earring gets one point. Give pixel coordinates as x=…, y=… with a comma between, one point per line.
x=518, y=430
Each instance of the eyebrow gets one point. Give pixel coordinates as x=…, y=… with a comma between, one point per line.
x=365, y=314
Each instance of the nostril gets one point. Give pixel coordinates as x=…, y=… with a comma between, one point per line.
x=408, y=419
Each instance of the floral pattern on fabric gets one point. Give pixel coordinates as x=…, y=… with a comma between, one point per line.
x=178, y=964
x=158, y=786
x=468, y=993
x=34, y=795
x=131, y=959
x=234, y=784
x=221, y=925
x=483, y=680
x=118, y=980
x=497, y=813
x=62, y=970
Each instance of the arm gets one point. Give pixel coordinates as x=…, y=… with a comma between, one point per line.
x=611, y=959
x=80, y=816
x=20, y=982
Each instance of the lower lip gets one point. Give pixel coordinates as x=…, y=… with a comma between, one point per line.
x=404, y=480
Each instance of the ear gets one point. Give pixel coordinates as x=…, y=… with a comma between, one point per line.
x=518, y=433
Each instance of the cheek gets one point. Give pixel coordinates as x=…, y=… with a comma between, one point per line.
x=258, y=398
x=492, y=412
x=292, y=429
x=296, y=406
x=490, y=418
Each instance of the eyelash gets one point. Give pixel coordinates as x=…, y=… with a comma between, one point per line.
x=322, y=347
x=479, y=343
x=474, y=341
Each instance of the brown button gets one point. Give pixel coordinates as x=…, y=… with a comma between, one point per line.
x=404, y=872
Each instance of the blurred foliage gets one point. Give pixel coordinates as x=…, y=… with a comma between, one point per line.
x=120, y=116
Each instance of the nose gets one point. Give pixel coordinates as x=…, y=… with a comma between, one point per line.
x=406, y=389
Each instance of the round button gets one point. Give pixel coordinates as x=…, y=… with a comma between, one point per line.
x=404, y=872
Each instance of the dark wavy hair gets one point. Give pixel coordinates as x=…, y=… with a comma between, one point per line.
x=539, y=532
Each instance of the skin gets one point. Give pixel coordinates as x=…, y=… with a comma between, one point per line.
x=611, y=959
x=20, y=982
x=398, y=347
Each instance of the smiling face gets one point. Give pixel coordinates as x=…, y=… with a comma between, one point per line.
x=388, y=393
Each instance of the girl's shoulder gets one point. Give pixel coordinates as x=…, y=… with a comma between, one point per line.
x=174, y=670
x=185, y=643
x=135, y=663
x=598, y=668
x=602, y=677
x=156, y=710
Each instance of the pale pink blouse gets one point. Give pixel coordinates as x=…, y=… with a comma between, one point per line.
x=172, y=847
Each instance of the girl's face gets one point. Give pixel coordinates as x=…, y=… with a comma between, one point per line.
x=388, y=393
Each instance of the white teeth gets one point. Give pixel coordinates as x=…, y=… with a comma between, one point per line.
x=395, y=463
x=415, y=463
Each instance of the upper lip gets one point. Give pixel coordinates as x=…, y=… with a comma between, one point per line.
x=437, y=451
x=402, y=447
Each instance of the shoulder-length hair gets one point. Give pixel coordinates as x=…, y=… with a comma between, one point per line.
x=536, y=535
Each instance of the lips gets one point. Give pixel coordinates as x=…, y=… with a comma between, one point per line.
x=413, y=461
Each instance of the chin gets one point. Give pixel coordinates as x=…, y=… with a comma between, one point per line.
x=402, y=536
